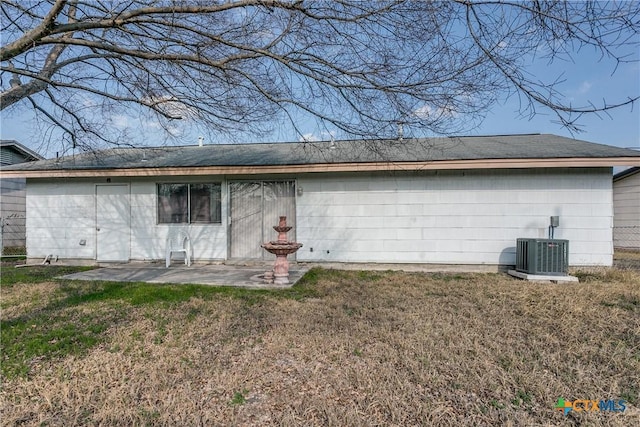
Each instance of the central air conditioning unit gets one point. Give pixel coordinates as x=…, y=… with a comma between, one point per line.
x=542, y=256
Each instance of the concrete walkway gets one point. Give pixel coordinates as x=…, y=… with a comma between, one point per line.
x=219, y=275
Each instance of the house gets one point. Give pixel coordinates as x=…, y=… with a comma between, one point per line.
x=12, y=195
x=626, y=209
x=451, y=200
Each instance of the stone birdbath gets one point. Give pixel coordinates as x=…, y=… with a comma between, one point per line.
x=281, y=248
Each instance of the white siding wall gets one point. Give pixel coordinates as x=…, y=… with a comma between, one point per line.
x=626, y=204
x=467, y=217
x=459, y=217
x=209, y=241
x=61, y=214
x=12, y=211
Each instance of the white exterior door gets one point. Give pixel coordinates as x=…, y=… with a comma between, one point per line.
x=113, y=220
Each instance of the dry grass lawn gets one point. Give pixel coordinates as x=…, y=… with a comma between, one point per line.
x=627, y=258
x=349, y=348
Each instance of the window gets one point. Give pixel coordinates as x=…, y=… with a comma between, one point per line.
x=189, y=203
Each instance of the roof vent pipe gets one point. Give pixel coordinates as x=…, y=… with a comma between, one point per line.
x=400, y=131
x=200, y=141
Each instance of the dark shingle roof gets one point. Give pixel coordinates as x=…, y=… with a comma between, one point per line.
x=543, y=146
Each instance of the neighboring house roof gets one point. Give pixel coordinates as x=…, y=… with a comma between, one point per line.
x=481, y=152
x=12, y=152
x=626, y=173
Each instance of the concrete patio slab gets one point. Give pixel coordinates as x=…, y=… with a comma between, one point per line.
x=542, y=278
x=244, y=273
x=216, y=275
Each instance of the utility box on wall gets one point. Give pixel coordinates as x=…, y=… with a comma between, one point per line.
x=542, y=256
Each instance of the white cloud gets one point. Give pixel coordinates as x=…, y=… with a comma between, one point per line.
x=423, y=112
x=427, y=112
x=120, y=121
x=87, y=101
x=308, y=137
x=328, y=134
x=584, y=88
x=171, y=106
x=312, y=137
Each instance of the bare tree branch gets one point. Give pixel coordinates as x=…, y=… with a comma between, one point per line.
x=249, y=65
x=44, y=28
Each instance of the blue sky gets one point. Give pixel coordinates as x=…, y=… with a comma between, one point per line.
x=587, y=79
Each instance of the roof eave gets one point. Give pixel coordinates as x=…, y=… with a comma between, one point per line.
x=626, y=173
x=328, y=167
x=28, y=154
